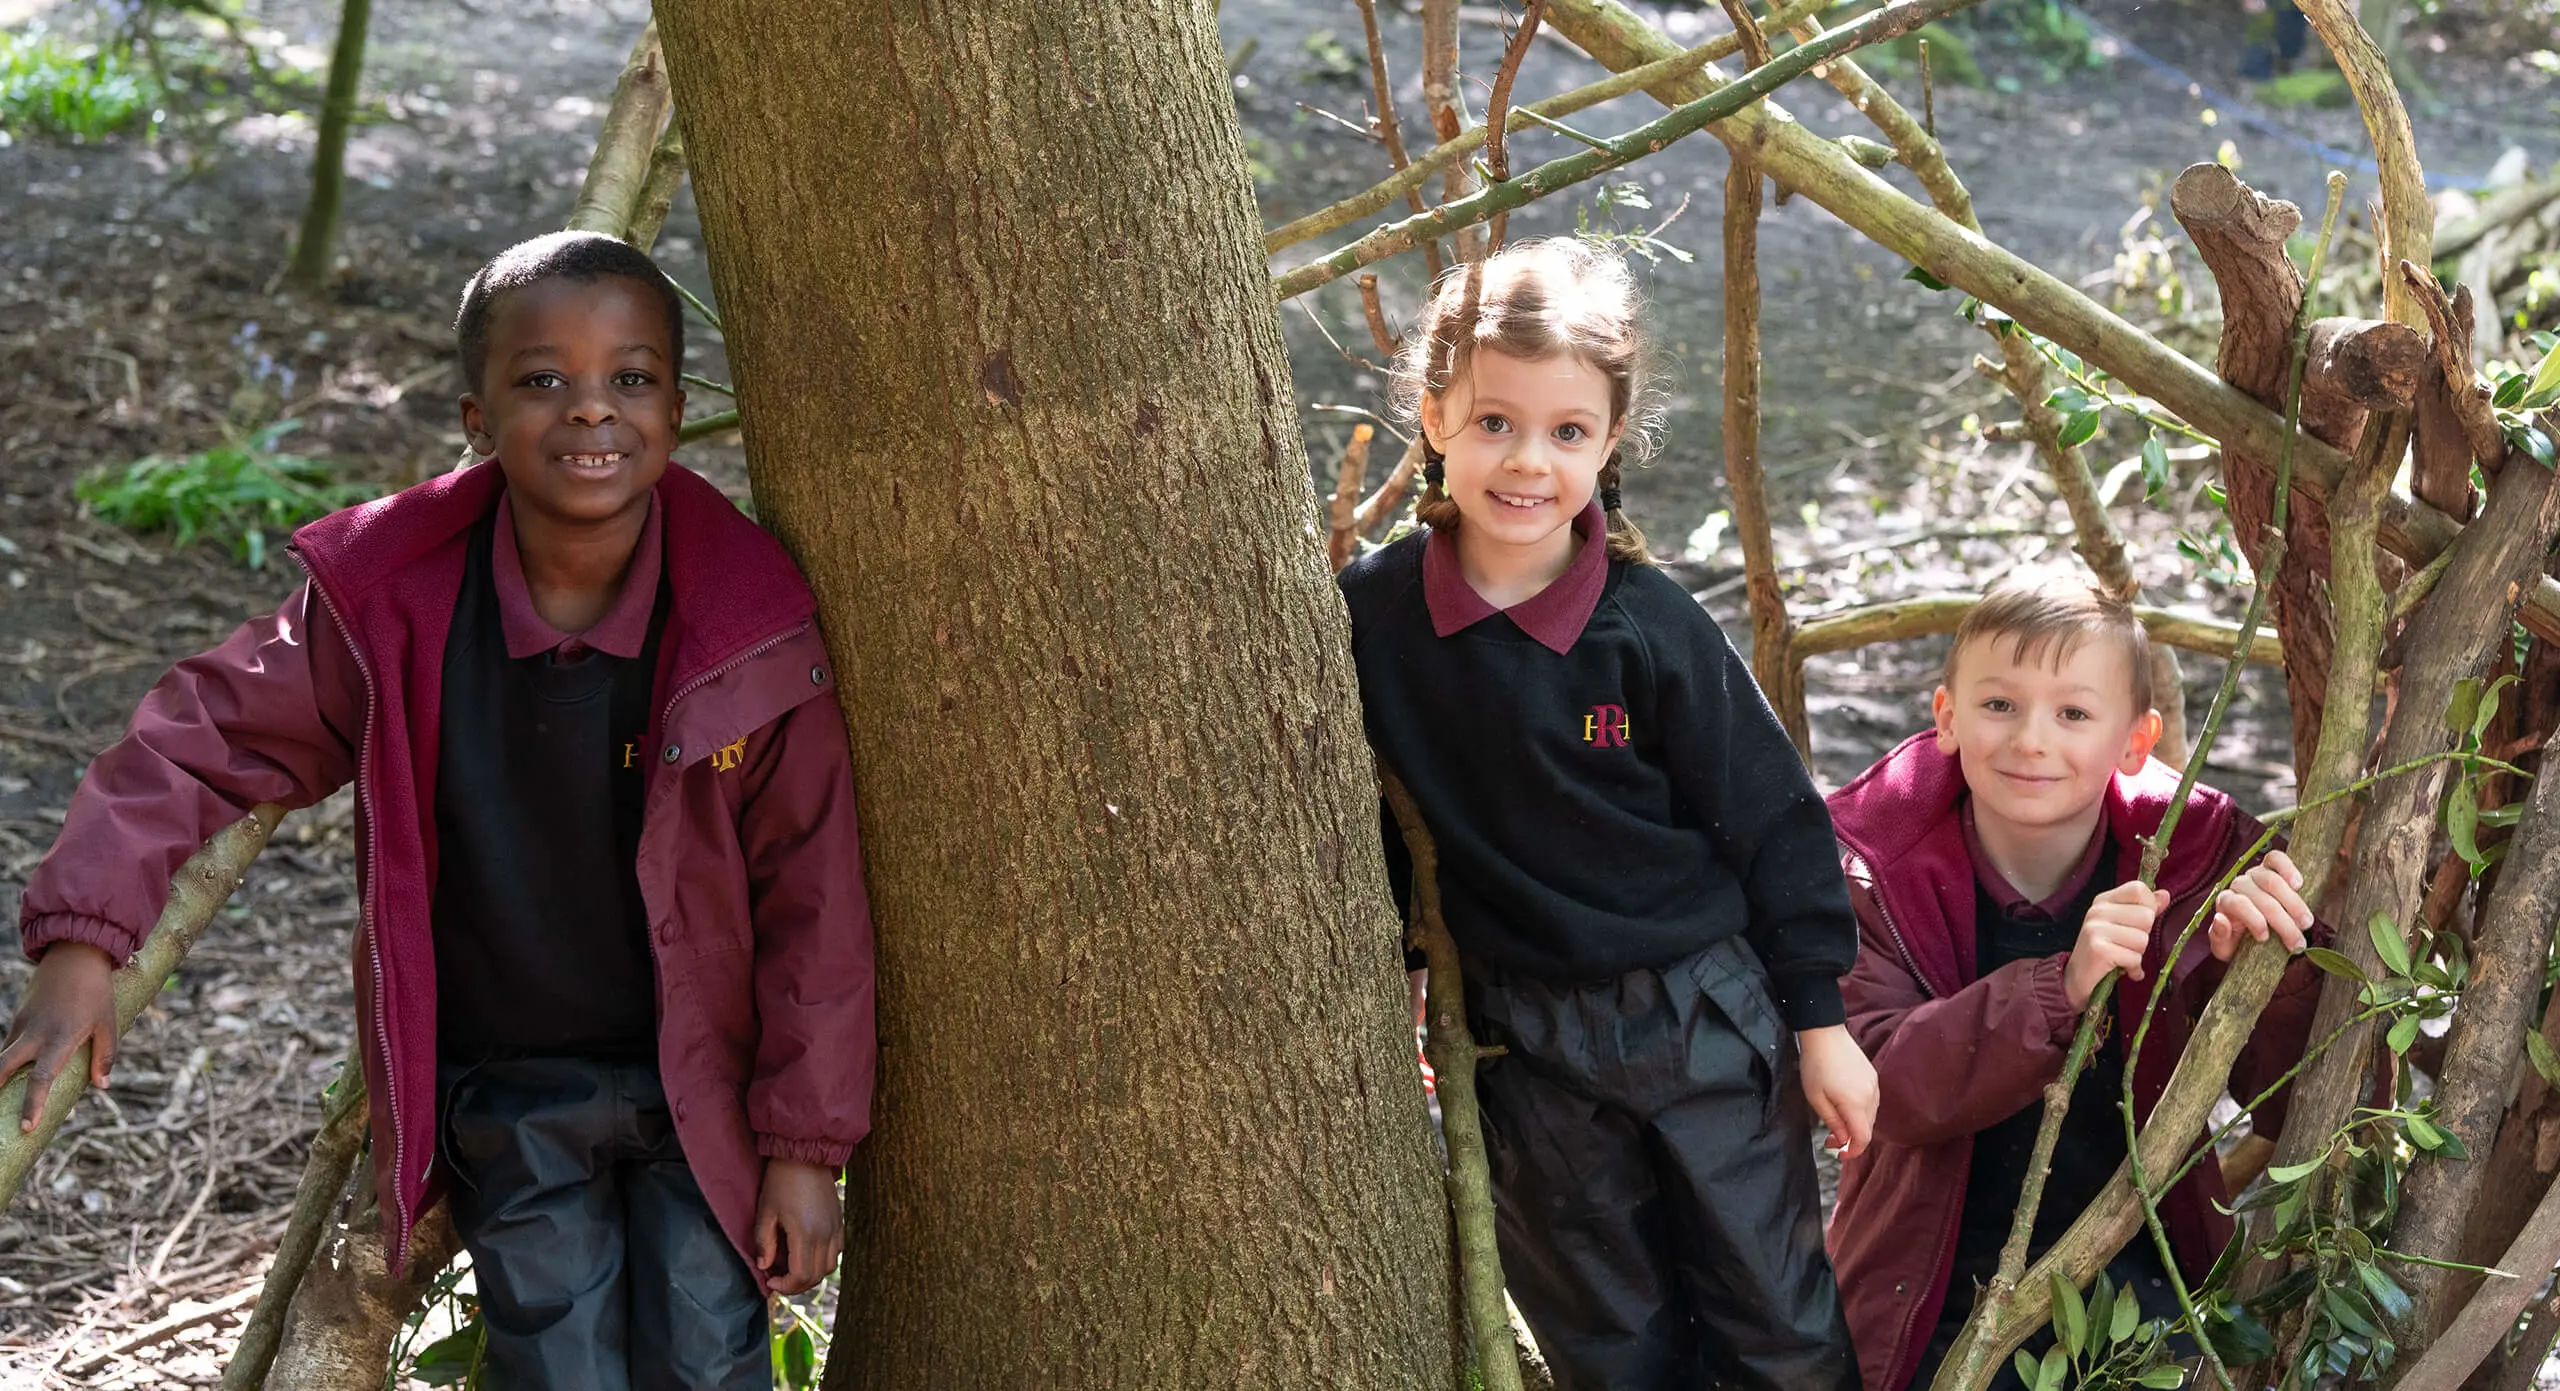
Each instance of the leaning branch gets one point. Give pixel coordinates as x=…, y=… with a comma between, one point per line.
x=1453, y=1053
x=200, y=888
x=1893, y=20
x=621, y=162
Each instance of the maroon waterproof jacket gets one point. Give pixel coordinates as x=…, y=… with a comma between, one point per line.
x=749, y=865
x=1956, y=1054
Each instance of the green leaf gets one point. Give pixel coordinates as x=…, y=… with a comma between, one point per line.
x=2050, y=1372
x=799, y=1357
x=2488, y=711
x=2128, y=1316
x=2511, y=390
x=2079, y=429
x=2387, y=1294
x=1923, y=279
x=2292, y=1173
x=2238, y=1336
x=2341, y=1305
x=2334, y=963
x=2155, y=466
x=2545, y=386
x=2070, y=1316
x=2531, y=441
x=2388, y=944
x=2067, y=399
x=2403, y=1033
x=2545, y=1060
x=2163, y=1379
x=446, y=1361
x=2025, y=1363
x=2465, y=705
x=2423, y=1133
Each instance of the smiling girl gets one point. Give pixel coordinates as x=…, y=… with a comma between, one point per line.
x=1637, y=871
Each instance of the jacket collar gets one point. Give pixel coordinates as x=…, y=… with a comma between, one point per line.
x=1900, y=819
x=733, y=585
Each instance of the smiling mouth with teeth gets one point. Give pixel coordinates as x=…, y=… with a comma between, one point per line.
x=591, y=460
x=1523, y=503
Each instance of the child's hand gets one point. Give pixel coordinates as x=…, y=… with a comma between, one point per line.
x=799, y=1225
x=2268, y=897
x=2112, y=938
x=71, y=1001
x=1841, y=1085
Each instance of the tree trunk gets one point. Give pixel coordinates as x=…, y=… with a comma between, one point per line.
x=317, y=243
x=995, y=296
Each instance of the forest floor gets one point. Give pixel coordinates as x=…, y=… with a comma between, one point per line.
x=138, y=315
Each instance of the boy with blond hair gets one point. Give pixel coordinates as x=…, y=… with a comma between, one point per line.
x=1994, y=861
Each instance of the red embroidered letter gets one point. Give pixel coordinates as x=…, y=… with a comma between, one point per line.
x=1606, y=726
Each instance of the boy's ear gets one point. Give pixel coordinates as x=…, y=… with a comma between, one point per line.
x=1942, y=709
x=2138, y=744
x=475, y=426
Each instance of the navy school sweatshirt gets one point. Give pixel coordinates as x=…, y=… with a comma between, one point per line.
x=1604, y=799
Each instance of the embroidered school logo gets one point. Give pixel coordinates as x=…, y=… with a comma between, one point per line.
x=1605, y=727
x=629, y=752
x=728, y=755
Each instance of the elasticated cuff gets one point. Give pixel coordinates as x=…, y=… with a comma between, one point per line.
x=1809, y=1000
x=826, y=1154
x=2061, y=1017
x=40, y=933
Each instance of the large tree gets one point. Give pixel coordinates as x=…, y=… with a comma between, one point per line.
x=994, y=292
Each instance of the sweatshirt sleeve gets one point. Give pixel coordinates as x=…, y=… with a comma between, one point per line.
x=1738, y=773
x=271, y=715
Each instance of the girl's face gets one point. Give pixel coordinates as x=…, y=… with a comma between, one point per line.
x=1525, y=441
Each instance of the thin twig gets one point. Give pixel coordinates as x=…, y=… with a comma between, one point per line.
x=1384, y=337
x=1341, y=536
x=1382, y=97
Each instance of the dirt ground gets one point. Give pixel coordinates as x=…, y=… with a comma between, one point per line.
x=138, y=315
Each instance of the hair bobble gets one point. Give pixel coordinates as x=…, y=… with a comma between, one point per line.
x=1609, y=499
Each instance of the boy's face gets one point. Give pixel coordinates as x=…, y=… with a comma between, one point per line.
x=2039, y=738
x=579, y=398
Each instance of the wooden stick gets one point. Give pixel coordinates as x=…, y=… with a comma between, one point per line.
x=159, y=1330
x=1389, y=498
x=1445, y=103
x=1342, y=532
x=1382, y=95
x=1453, y=1053
x=1497, y=110
x=2408, y=217
x=1929, y=615
x=198, y=890
x=2447, y=1363
x=333, y=1157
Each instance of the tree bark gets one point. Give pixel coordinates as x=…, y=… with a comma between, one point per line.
x=338, y=1334
x=1148, y=1116
x=2482, y=1055
x=317, y=243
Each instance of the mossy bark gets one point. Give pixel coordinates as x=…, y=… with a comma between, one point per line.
x=1001, y=320
x=316, y=245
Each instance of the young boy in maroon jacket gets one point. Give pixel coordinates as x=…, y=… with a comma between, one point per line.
x=1994, y=864
x=613, y=965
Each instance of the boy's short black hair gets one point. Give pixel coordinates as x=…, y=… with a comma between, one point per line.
x=584, y=257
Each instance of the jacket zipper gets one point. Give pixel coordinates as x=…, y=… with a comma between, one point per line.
x=667, y=713
x=1947, y=1233
x=372, y=933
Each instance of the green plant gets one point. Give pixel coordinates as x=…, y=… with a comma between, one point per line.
x=1603, y=230
x=236, y=492
x=2101, y=1344
x=1329, y=59
x=79, y=92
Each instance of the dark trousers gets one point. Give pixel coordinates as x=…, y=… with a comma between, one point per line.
x=599, y=1265
x=1654, y=1188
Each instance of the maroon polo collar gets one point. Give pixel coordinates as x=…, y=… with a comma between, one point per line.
x=624, y=629
x=1555, y=615
x=2006, y=895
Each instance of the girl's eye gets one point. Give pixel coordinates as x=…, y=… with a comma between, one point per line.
x=1494, y=425
x=1572, y=434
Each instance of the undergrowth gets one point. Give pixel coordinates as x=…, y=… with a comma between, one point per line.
x=239, y=492
x=79, y=92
